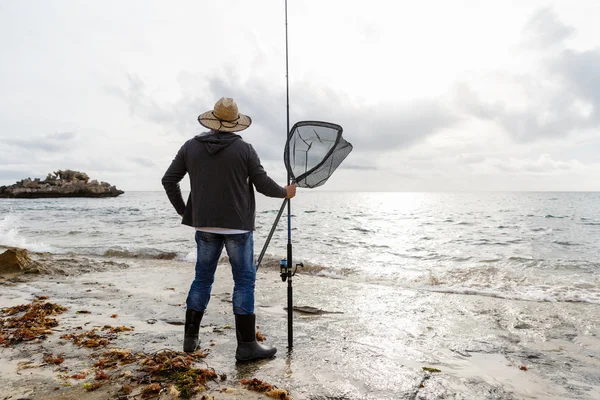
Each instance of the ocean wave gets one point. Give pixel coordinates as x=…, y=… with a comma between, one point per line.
x=565, y=243
x=10, y=237
x=460, y=259
x=510, y=283
x=153, y=254
x=363, y=230
x=570, y=295
x=271, y=262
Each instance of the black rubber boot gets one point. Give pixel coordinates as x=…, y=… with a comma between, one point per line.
x=248, y=349
x=192, y=326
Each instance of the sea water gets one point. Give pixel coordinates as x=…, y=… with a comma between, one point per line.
x=532, y=246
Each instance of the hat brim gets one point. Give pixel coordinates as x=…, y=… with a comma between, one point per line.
x=209, y=121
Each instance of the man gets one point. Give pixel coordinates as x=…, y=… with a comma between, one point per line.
x=223, y=169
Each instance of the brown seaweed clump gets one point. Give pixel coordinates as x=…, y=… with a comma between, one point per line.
x=34, y=323
x=50, y=359
x=115, y=357
x=116, y=329
x=151, y=390
x=175, y=370
x=95, y=339
x=88, y=339
x=256, y=385
x=91, y=386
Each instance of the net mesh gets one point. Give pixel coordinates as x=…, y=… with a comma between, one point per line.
x=313, y=152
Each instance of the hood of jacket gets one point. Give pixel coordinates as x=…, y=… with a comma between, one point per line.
x=216, y=141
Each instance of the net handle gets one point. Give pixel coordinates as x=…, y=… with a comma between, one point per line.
x=329, y=153
x=264, y=249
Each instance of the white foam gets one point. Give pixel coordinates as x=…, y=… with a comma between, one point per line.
x=527, y=295
x=10, y=237
x=190, y=257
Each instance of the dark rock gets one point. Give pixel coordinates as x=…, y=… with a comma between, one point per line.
x=14, y=260
x=175, y=322
x=523, y=325
x=312, y=310
x=60, y=183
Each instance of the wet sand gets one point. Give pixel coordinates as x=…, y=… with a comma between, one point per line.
x=371, y=342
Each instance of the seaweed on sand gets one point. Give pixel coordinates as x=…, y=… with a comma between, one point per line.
x=90, y=387
x=257, y=385
x=34, y=323
x=88, y=339
x=176, y=369
x=94, y=339
x=50, y=359
x=151, y=390
x=115, y=357
x=116, y=329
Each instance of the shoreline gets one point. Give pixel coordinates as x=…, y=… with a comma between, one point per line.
x=372, y=341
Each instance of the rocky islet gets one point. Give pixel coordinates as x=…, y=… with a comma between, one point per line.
x=67, y=183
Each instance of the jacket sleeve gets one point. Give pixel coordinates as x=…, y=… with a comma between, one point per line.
x=171, y=179
x=259, y=178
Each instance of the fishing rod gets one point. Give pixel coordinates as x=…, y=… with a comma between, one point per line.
x=317, y=138
x=289, y=262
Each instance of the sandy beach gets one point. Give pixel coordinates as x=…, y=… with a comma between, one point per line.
x=369, y=340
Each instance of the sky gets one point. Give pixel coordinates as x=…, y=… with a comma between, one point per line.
x=462, y=95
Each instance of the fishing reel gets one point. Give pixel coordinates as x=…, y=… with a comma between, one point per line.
x=285, y=271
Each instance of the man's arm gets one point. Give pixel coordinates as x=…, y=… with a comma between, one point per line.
x=171, y=179
x=259, y=178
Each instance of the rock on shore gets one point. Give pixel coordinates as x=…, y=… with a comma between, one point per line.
x=66, y=183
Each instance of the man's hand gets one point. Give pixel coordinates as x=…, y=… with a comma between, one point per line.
x=291, y=191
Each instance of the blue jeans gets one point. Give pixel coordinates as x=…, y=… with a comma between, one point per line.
x=240, y=249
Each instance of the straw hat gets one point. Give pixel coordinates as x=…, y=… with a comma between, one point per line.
x=225, y=117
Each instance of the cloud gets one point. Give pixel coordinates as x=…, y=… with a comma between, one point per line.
x=579, y=72
x=51, y=142
x=561, y=97
x=544, y=165
x=359, y=167
x=14, y=175
x=546, y=115
x=144, y=162
x=380, y=127
x=60, y=136
x=544, y=29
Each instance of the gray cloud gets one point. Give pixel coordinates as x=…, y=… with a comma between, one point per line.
x=563, y=96
x=33, y=144
x=14, y=175
x=580, y=73
x=545, y=164
x=51, y=142
x=549, y=117
x=359, y=167
x=144, y=162
x=545, y=29
x=60, y=136
x=369, y=128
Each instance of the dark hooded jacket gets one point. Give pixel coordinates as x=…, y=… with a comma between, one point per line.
x=223, y=170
